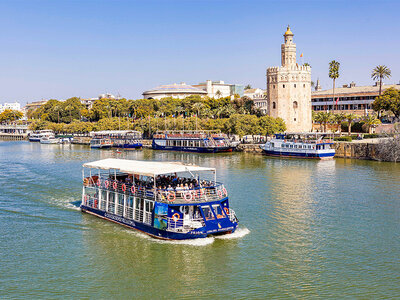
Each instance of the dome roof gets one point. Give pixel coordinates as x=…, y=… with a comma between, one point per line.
x=288, y=31
x=176, y=88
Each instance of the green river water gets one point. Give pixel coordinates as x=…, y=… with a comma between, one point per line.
x=308, y=229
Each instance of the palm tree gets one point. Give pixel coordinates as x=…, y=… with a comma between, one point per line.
x=325, y=118
x=371, y=121
x=198, y=106
x=247, y=87
x=218, y=94
x=339, y=118
x=306, y=64
x=350, y=118
x=334, y=74
x=381, y=72
x=70, y=108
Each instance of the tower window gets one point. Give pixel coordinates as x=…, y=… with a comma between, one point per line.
x=304, y=85
x=295, y=105
x=273, y=105
x=294, y=85
x=295, y=119
x=283, y=86
x=274, y=85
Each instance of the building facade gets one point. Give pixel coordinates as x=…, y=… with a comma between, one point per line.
x=12, y=106
x=175, y=90
x=220, y=89
x=348, y=98
x=289, y=89
x=259, y=98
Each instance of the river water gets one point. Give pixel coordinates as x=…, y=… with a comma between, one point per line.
x=307, y=229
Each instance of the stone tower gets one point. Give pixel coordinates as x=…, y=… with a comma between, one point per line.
x=289, y=89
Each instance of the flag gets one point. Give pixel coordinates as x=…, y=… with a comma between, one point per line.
x=337, y=100
x=301, y=55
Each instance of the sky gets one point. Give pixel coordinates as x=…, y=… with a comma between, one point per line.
x=62, y=49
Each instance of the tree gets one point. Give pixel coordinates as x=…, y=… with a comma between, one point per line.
x=381, y=72
x=350, y=118
x=388, y=101
x=218, y=94
x=334, y=74
x=306, y=64
x=323, y=118
x=371, y=121
x=339, y=118
x=247, y=87
x=10, y=115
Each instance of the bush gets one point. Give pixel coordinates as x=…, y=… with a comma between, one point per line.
x=344, y=139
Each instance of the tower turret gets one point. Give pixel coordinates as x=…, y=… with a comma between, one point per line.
x=288, y=49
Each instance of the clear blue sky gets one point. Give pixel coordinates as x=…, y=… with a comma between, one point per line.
x=59, y=49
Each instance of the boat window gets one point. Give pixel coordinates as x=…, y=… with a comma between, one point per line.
x=218, y=211
x=208, y=213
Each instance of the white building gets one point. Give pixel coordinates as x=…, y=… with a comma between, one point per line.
x=220, y=89
x=259, y=98
x=179, y=91
x=89, y=101
x=12, y=106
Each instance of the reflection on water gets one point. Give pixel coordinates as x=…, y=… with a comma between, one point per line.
x=307, y=229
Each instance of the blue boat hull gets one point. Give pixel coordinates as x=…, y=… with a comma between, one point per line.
x=129, y=146
x=299, y=154
x=192, y=149
x=203, y=232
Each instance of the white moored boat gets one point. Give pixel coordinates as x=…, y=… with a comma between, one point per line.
x=301, y=145
x=49, y=140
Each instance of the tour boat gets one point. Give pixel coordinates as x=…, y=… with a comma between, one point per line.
x=166, y=200
x=49, y=140
x=126, y=139
x=99, y=143
x=301, y=145
x=192, y=141
x=39, y=134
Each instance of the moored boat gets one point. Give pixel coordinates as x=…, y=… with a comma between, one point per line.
x=300, y=145
x=49, y=140
x=125, y=139
x=192, y=141
x=166, y=200
x=39, y=134
x=100, y=143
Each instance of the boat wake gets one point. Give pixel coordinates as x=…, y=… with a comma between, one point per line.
x=239, y=233
x=73, y=205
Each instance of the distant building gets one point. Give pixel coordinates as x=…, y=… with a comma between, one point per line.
x=89, y=101
x=179, y=91
x=289, y=89
x=34, y=105
x=12, y=106
x=259, y=98
x=220, y=89
x=352, y=98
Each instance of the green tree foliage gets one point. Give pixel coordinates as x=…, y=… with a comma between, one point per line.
x=381, y=72
x=370, y=121
x=247, y=87
x=9, y=115
x=59, y=111
x=389, y=101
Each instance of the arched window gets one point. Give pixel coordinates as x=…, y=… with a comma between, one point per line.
x=273, y=105
x=295, y=105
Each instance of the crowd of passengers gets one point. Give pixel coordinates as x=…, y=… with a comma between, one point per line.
x=164, y=182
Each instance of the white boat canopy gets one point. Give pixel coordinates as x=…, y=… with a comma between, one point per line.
x=146, y=168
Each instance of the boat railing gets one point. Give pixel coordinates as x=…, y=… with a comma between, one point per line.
x=178, y=196
x=308, y=141
x=231, y=214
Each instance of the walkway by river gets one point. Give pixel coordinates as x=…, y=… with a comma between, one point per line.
x=308, y=229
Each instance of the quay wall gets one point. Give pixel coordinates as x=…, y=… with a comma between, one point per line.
x=13, y=136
